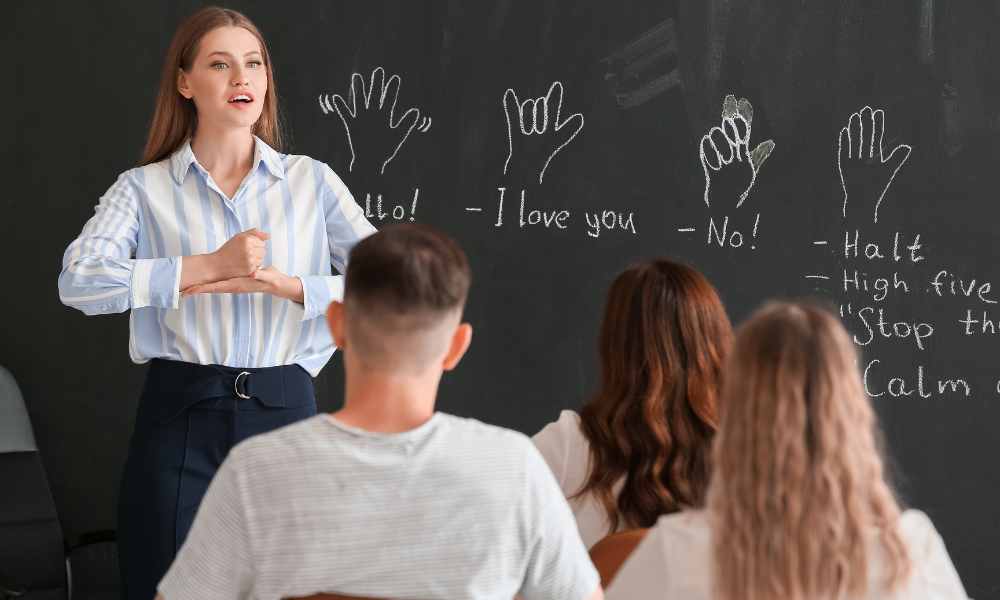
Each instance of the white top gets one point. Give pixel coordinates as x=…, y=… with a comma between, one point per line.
x=452, y=509
x=566, y=449
x=674, y=561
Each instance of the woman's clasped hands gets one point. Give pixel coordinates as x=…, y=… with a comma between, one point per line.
x=237, y=268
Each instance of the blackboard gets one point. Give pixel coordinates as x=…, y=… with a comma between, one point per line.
x=641, y=82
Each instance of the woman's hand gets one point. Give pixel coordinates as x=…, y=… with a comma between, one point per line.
x=241, y=255
x=268, y=280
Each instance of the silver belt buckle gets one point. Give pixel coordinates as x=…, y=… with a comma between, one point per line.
x=236, y=386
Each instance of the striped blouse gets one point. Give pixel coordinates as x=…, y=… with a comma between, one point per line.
x=129, y=255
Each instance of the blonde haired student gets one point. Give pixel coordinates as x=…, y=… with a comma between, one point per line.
x=222, y=248
x=798, y=504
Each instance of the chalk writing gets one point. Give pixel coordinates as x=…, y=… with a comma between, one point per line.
x=529, y=216
x=733, y=238
x=899, y=387
x=374, y=211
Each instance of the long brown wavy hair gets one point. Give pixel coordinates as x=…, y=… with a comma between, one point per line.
x=798, y=482
x=664, y=336
x=175, y=117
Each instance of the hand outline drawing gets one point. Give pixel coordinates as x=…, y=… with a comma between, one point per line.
x=856, y=149
x=729, y=143
x=385, y=94
x=533, y=117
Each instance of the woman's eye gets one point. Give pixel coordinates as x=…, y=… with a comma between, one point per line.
x=219, y=66
x=255, y=64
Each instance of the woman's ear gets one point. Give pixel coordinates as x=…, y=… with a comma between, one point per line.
x=335, y=321
x=183, y=88
x=460, y=341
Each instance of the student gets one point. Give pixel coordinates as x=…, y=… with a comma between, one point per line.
x=640, y=448
x=221, y=247
x=386, y=498
x=798, y=507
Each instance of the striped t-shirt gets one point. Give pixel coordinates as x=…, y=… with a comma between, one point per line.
x=452, y=509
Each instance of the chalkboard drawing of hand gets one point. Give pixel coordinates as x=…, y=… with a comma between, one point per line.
x=730, y=166
x=862, y=164
x=369, y=115
x=542, y=118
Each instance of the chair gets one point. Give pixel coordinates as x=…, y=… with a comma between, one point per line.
x=609, y=554
x=35, y=563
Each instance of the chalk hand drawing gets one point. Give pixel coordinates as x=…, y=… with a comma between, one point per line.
x=862, y=164
x=541, y=117
x=726, y=156
x=375, y=100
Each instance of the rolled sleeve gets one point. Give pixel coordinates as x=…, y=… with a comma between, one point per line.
x=156, y=282
x=99, y=274
x=318, y=291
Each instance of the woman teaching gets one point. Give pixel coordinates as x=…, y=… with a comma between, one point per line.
x=222, y=248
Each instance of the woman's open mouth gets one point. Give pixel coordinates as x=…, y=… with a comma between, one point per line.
x=241, y=100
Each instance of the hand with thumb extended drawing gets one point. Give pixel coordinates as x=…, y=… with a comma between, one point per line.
x=536, y=129
x=730, y=166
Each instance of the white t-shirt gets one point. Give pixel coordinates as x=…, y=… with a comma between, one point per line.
x=674, y=561
x=567, y=451
x=452, y=509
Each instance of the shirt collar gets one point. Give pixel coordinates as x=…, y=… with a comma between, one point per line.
x=183, y=158
x=269, y=156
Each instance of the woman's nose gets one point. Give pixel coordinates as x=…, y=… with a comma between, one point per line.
x=240, y=77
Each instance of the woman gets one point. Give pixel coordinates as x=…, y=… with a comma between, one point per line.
x=640, y=448
x=798, y=507
x=221, y=247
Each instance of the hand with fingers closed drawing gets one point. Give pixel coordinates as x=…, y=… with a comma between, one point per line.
x=538, y=120
x=865, y=171
x=369, y=114
x=730, y=166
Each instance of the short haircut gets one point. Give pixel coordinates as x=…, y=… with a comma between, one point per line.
x=405, y=286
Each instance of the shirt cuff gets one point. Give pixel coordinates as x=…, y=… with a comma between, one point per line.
x=156, y=282
x=318, y=291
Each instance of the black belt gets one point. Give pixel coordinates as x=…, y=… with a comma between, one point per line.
x=173, y=386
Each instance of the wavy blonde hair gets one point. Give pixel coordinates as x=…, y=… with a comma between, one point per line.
x=798, y=485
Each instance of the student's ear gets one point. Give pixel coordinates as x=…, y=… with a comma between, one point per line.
x=335, y=321
x=182, y=85
x=460, y=341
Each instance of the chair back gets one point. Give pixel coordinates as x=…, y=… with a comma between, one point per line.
x=32, y=554
x=334, y=597
x=609, y=554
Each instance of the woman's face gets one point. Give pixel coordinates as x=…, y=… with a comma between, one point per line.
x=227, y=80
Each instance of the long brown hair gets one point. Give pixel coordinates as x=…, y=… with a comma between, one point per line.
x=175, y=117
x=663, y=339
x=798, y=478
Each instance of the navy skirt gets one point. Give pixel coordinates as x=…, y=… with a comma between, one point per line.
x=189, y=417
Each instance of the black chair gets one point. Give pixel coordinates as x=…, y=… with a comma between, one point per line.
x=35, y=561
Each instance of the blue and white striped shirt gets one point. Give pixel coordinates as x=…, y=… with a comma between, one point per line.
x=129, y=255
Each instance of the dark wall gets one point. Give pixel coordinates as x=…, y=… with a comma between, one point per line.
x=648, y=80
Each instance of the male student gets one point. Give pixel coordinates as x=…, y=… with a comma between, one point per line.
x=386, y=498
